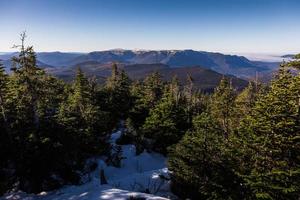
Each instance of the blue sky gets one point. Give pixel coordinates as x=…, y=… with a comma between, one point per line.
x=247, y=26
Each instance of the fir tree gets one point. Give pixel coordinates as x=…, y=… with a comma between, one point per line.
x=222, y=105
x=4, y=81
x=153, y=89
x=118, y=94
x=199, y=167
x=5, y=140
x=82, y=114
x=196, y=102
x=246, y=100
x=145, y=96
x=33, y=96
x=167, y=121
x=271, y=137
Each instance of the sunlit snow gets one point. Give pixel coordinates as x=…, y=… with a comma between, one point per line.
x=137, y=175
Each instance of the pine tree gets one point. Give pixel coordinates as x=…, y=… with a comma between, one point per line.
x=27, y=82
x=271, y=135
x=48, y=127
x=153, y=89
x=81, y=113
x=246, y=100
x=167, y=121
x=188, y=94
x=118, y=93
x=5, y=140
x=145, y=96
x=4, y=81
x=222, y=105
x=199, y=167
x=196, y=102
x=112, y=81
x=33, y=104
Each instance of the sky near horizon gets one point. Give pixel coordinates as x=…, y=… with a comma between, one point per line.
x=245, y=26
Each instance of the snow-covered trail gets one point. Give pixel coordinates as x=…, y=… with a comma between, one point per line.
x=137, y=175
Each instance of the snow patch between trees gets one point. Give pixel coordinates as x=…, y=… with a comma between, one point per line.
x=142, y=176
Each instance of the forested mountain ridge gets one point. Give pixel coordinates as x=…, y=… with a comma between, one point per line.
x=204, y=79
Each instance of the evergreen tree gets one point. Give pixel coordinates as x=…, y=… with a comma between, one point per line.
x=167, y=121
x=48, y=128
x=5, y=141
x=118, y=94
x=196, y=102
x=81, y=113
x=4, y=81
x=271, y=136
x=145, y=96
x=27, y=86
x=51, y=135
x=222, y=105
x=246, y=100
x=200, y=168
x=153, y=89
x=32, y=96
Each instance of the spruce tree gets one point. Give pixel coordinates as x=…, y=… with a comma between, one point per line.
x=195, y=101
x=153, y=89
x=246, y=100
x=271, y=136
x=48, y=127
x=81, y=113
x=200, y=168
x=5, y=140
x=145, y=95
x=118, y=94
x=33, y=103
x=222, y=105
x=167, y=121
x=4, y=81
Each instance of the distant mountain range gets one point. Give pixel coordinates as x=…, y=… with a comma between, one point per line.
x=142, y=62
x=204, y=79
x=226, y=64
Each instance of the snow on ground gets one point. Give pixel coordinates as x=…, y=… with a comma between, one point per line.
x=146, y=172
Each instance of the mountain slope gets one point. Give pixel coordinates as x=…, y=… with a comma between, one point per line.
x=8, y=64
x=57, y=58
x=204, y=79
x=225, y=64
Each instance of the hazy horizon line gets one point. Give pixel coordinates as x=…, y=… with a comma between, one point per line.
x=184, y=49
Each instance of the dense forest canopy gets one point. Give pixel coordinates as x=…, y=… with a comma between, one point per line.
x=226, y=145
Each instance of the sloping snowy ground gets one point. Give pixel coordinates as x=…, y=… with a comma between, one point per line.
x=137, y=174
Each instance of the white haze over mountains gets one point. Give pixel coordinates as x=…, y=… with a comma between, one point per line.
x=263, y=57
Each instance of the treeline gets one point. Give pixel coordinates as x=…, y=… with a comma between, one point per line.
x=226, y=145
